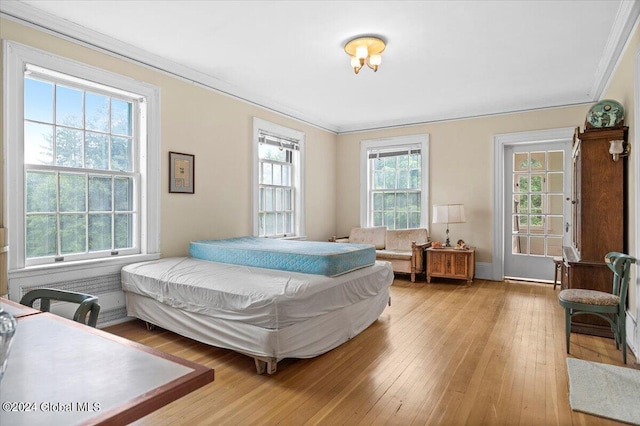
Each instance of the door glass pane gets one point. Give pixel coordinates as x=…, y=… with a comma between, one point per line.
x=555, y=225
x=520, y=183
x=555, y=204
x=521, y=162
x=554, y=246
x=536, y=246
x=538, y=161
x=556, y=182
x=556, y=161
x=537, y=183
x=520, y=245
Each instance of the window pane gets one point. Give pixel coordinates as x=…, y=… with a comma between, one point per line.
x=41, y=192
x=389, y=220
x=401, y=220
x=377, y=201
x=73, y=233
x=536, y=203
x=97, y=112
x=270, y=152
x=268, y=199
x=415, y=179
x=403, y=179
x=389, y=201
x=121, y=118
x=288, y=205
x=377, y=219
x=38, y=143
x=270, y=223
x=521, y=203
x=38, y=100
x=69, y=107
x=261, y=199
x=124, y=231
x=401, y=200
x=277, y=174
x=286, y=175
x=390, y=179
x=72, y=192
x=68, y=147
x=520, y=183
x=121, y=154
x=279, y=223
x=520, y=245
x=99, y=232
x=378, y=180
x=266, y=174
x=96, y=151
x=123, y=188
x=414, y=219
x=413, y=201
x=41, y=235
x=99, y=193
x=279, y=206
x=536, y=224
x=288, y=229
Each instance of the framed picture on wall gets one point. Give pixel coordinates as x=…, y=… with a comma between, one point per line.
x=181, y=173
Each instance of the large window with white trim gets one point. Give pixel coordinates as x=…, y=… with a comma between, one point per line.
x=79, y=150
x=395, y=172
x=277, y=180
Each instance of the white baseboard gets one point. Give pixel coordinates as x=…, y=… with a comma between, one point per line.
x=484, y=270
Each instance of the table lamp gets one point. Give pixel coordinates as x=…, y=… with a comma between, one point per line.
x=448, y=213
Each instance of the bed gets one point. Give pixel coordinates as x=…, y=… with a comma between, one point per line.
x=268, y=314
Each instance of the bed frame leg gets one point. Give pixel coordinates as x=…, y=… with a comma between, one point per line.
x=268, y=365
x=150, y=326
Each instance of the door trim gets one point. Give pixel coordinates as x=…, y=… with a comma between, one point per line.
x=500, y=141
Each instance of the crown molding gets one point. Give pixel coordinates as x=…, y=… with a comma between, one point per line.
x=623, y=25
x=43, y=21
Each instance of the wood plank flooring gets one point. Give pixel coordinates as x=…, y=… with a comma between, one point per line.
x=445, y=353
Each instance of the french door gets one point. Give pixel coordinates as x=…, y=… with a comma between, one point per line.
x=537, y=186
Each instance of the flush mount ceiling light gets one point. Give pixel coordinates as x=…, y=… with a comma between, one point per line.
x=365, y=50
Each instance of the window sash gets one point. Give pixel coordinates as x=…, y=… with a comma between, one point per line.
x=112, y=235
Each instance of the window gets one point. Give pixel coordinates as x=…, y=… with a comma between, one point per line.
x=277, y=195
x=82, y=182
x=395, y=171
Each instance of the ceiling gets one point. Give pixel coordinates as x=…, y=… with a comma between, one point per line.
x=444, y=59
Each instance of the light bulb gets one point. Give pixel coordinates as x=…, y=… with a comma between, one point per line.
x=362, y=52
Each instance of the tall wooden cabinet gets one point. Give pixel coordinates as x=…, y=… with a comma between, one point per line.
x=598, y=210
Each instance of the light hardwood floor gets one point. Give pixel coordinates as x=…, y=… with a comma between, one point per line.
x=443, y=353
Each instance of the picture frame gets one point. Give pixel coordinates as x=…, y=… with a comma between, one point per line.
x=181, y=173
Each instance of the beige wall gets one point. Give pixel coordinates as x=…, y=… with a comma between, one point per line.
x=622, y=88
x=461, y=168
x=217, y=129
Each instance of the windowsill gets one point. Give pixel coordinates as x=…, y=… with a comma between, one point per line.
x=65, y=267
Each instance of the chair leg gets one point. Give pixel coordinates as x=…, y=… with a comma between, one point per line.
x=555, y=277
x=567, y=326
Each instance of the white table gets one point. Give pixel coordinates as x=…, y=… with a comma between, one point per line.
x=62, y=372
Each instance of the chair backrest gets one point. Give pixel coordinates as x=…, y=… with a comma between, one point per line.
x=401, y=239
x=376, y=236
x=88, y=303
x=620, y=264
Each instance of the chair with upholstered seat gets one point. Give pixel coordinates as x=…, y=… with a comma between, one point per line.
x=88, y=304
x=609, y=306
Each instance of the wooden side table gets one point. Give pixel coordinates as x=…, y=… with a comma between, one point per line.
x=451, y=263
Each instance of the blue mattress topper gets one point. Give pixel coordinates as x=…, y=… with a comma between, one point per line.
x=309, y=257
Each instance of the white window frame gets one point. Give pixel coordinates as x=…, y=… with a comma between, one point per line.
x=16, y=58
x=260, y=125
x=365, y=183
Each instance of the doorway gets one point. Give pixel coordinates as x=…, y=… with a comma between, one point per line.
x=532, y=182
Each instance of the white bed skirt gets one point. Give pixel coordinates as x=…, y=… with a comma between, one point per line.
x=306, y=339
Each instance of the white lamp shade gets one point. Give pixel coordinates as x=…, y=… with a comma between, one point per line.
x=448, y=213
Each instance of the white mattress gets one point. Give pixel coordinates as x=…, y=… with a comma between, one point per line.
x=265, y=298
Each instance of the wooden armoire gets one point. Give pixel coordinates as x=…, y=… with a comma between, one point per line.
x=598, y=210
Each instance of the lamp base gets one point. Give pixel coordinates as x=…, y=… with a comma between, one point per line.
x=447, y=243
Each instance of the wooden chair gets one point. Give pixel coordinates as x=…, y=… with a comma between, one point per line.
x=88, y=303
x=557, y=263
x=609, y=306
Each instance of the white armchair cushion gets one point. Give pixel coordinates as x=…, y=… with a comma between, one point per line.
x=376, y=235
